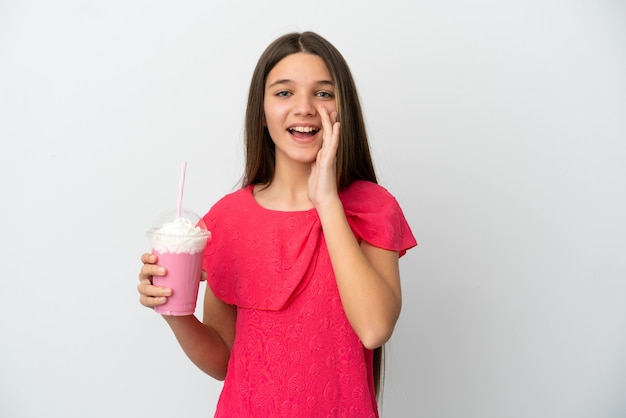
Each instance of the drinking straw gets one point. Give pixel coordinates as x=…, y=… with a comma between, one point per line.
x=181, y=186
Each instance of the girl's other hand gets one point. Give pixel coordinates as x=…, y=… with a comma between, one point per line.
x=323, y=179
x=150, y=295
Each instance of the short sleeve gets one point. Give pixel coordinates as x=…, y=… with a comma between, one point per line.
x=375, y=216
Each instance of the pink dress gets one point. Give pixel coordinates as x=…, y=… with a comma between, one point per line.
x=295, y=353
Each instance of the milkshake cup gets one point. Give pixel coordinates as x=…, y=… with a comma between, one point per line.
x=179, y=243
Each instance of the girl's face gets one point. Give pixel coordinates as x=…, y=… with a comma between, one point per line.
x=294, y=91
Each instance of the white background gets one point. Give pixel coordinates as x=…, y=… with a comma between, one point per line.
x=500, y=126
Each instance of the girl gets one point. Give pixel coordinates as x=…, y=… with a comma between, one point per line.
x=302, y=270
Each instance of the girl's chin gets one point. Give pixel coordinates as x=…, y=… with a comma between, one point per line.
x=308, y=157
x=305, y=159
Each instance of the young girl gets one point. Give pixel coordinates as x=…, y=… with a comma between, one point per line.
x=302, y=269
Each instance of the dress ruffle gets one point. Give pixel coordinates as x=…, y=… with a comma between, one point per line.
x=260, y=258
x=254, y=263
x=375, y=216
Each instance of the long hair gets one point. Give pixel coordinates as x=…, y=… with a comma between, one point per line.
x=354, y=161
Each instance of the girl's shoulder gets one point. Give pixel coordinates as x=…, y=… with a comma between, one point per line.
x=365, y=192
x=376, y=217
x=238, y=198
x=234, y=204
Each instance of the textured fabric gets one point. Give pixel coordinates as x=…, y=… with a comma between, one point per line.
x=295, y=353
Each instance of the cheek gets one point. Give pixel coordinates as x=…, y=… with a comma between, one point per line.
x=275, y=115
x=273, y=126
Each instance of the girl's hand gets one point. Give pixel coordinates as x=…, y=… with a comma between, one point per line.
x=151, y=295
x=323, y=179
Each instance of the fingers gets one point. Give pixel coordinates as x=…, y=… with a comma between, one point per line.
x=150, y=268
x=329, y=120
x=331, y=116
x=331, y=128
x=150, y=295
x=148, y=258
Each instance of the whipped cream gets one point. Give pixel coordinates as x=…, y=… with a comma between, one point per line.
x=180, y=236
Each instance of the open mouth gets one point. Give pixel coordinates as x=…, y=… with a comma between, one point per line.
x=303, y=131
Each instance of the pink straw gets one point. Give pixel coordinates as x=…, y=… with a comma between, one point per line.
x=181, y=186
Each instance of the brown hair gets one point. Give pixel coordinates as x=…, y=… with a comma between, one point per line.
x=354, y=161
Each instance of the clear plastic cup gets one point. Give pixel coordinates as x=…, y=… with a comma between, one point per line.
x=179, y=244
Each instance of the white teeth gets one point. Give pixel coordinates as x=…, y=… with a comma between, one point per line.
x=304, y=129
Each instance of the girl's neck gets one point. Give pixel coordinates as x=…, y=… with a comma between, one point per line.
x=286, y=192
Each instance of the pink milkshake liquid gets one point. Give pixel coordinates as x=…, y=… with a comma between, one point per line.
x=183, y=277
x=179, y=246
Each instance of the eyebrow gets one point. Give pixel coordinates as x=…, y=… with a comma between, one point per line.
x=287, y=81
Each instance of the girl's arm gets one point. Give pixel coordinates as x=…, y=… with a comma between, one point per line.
x=368, y=278
x=206, y=343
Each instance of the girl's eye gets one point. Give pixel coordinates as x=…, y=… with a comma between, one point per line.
x=325, y=94
x=283, y=94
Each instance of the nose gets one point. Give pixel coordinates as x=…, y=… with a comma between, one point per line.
x=304, y=106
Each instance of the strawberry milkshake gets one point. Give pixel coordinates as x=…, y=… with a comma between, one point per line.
x=179, y=246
